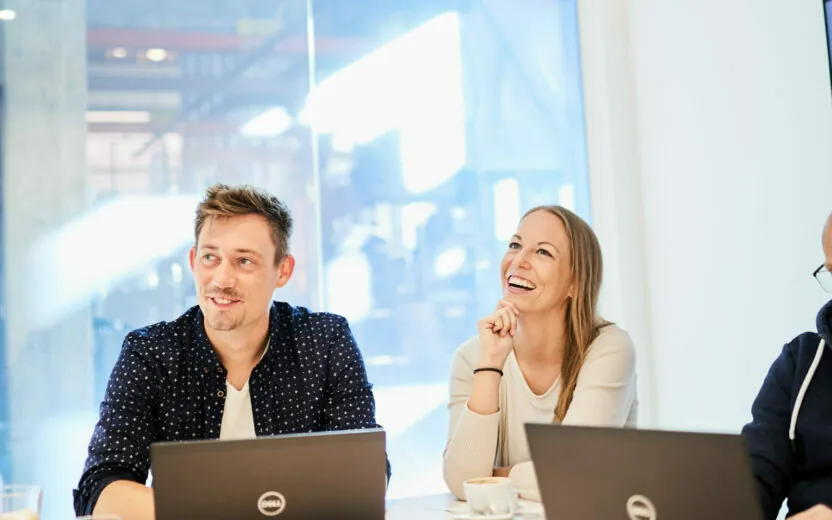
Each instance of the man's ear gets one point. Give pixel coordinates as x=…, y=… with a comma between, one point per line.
x=285, y=269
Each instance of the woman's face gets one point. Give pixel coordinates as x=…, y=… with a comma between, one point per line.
x=537, y=268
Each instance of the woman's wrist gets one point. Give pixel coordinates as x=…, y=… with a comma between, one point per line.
x=491, y=363
x=490, y=370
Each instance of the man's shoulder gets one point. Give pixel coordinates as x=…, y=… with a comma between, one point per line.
x=801, y=351
x=163, y=337
x=304, y=320
x=314, y=333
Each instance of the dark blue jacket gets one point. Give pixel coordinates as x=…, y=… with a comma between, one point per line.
x=798, y=466
x=169, y=385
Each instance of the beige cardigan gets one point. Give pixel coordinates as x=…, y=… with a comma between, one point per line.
x=605, y=395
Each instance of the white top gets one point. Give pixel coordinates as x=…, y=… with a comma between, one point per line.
x=237, y=416
x=605, y=395
x=525, y=406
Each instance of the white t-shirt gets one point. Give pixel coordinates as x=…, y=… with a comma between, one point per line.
x=237, y=416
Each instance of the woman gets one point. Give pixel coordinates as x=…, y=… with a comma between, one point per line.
x=544, y=355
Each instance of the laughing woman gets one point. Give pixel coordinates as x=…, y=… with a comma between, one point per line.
x=544, y=355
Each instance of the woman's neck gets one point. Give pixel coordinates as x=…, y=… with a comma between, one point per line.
x=541, y=337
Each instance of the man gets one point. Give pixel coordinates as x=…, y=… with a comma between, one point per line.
x=790, y=437
x=236, y=366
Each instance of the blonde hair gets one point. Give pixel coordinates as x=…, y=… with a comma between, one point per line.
x=222, y=201
x=582, y=321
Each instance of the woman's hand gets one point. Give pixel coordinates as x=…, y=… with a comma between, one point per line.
x=496, y=334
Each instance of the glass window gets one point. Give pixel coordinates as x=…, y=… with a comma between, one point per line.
x=407, y=138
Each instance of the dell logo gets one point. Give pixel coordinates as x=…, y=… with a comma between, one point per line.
x=639, y=507
x=271, y=503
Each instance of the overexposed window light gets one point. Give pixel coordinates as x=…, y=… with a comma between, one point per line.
x=386, y=360
x=348, y=282
x=118, y=239
x=272, y=122
x=119, y=52
x=399, y=407
x=566, y=197
x=152, y=280
x=118, y=116
x=413, y=85
x=7, y=14
x=176, y=272
x=506, y=208
x=156, y=54
x=449, y=261
x=414, y=216
x=342, y=144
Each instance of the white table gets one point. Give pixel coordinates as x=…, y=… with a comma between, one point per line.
x=442, y=507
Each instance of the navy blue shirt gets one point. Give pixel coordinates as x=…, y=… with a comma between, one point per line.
x=169, y=385
x=801, y=470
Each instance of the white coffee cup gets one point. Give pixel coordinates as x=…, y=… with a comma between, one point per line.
x=490, y=496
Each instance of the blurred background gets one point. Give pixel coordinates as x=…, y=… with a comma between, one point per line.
x=406, y=137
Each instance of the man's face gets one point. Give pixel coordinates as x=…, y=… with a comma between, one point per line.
x=235, y=271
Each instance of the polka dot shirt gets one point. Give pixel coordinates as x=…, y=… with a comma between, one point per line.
x=169, y=385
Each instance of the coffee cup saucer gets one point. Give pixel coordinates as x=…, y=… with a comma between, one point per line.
x=464, y=513
x=467, y=515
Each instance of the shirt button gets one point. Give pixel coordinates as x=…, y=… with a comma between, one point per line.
x=220, y=394
x=205, y=369
x=219, y=370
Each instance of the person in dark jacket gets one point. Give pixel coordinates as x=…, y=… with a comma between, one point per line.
x=790, y=436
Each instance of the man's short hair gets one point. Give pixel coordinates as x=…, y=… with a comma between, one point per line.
x=222, y=201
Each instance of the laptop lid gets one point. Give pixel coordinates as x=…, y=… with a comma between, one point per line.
x=312, y=475
x=610, y=473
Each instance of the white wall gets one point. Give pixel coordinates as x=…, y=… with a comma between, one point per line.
x=710, y=149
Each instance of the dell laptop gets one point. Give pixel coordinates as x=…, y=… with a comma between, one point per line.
x=338, y=474
x=616, y=473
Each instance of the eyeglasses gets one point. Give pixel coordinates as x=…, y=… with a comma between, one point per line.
x=824, y=278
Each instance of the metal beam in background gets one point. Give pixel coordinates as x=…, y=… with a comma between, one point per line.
x=287, y=40
x=200, y=127
x=197, y=128
x=109, y=37
x=206, y=103
x=245, y=87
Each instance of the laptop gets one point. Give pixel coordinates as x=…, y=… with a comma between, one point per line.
x=337, y=474
x=619, y=473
